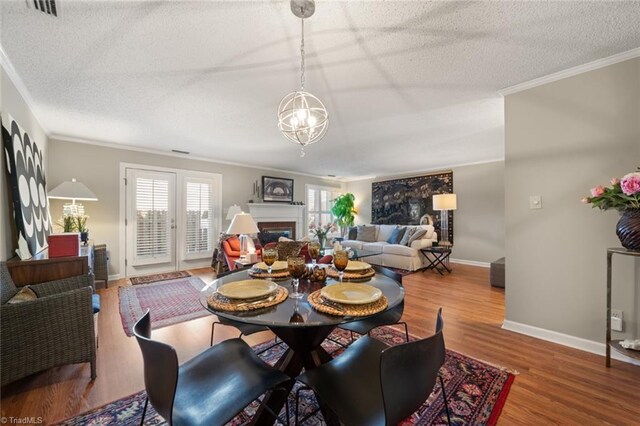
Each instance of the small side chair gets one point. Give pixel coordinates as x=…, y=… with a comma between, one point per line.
x=209, y=389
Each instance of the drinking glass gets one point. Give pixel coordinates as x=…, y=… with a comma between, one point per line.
x=296, y=267
x=340, y=261
x=269, y=257
x=314, y=252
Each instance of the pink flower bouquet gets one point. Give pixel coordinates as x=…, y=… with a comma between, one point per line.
x=623, y=194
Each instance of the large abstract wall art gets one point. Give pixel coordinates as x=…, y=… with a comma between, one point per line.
x=404, y=201
x=28, y=185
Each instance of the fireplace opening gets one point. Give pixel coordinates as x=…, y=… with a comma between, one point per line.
x=272, y=231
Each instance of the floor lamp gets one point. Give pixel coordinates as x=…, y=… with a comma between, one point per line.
x=444, y=203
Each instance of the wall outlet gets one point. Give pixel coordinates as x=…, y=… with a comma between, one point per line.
x=616, y=319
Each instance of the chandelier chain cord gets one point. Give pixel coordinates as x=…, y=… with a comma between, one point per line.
x=302, y=79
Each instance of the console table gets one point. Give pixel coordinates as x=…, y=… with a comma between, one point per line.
x=42, y=268
x=615, y=344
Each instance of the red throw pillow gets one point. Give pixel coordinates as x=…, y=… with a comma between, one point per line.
x=234, y=243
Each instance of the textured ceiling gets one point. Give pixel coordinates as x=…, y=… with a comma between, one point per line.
x=408, y=85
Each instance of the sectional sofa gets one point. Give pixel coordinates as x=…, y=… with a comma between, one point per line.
x=395, y=255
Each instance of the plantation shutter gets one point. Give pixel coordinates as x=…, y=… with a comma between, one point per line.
x=199, y=217
x=153, y=224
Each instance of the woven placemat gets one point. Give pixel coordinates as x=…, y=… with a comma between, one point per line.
x=219, y=302
x=276, y=276
x=316, y=301
x=358, y=276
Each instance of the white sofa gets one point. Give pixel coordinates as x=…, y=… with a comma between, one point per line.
x=395, y=255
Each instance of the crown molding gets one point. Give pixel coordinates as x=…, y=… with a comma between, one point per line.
x=570, y=72
x=422, y=171
x=8, y=67
x=73, y=139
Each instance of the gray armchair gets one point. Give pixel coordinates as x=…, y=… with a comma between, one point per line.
x=55, y=329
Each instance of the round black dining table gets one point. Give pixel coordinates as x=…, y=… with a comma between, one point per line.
x=301, y=327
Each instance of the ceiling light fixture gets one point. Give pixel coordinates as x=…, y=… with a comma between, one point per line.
x=302, y=118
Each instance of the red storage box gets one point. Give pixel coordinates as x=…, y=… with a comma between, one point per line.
x=66, y=244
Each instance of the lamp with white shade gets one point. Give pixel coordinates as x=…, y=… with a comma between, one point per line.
x=243, y=224
x=444, y=203
x=233, y=210
x=74, y=191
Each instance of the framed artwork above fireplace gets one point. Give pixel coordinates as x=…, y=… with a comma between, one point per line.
x=277, y=190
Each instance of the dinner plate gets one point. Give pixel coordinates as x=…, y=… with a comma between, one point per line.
x=247, y=289
x=351, y=293
x=356, y=265
x=278, y=265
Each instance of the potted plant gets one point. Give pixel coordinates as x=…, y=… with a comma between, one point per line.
x=81, y=227
x=67, y=223
x=623, y=195
x=343, y=211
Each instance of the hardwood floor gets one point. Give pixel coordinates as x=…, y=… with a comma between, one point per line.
x=556, y=384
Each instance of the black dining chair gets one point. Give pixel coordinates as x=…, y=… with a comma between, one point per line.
x=244, y=328
x=390, y=317
x=372, y=383
x=209, y=389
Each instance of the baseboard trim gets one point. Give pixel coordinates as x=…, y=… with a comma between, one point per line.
x=114, y=277
x=565, y=340
x=470, y=262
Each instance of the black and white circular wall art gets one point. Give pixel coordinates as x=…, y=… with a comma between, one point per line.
x=28, y=185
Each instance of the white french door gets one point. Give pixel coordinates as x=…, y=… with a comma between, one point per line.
x=172, y=219
x=151, y=221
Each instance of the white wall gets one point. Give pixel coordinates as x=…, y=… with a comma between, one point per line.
x=98, y=167
x=478, y=221
x=12, y=102
x=563, y=138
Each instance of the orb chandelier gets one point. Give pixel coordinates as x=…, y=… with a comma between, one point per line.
x=302, y=118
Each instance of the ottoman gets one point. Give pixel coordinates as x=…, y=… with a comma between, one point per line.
x=496, y=273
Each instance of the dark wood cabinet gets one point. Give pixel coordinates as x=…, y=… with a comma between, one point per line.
x=41, y=268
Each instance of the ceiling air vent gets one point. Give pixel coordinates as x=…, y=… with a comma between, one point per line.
x=46, y=6
x=177, y=151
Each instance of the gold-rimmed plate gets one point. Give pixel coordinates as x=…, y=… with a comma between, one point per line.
x=356, y=266
x=278, y=265
x=248, y=289
x=351, y=293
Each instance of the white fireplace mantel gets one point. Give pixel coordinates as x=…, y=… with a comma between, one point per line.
x=275, y=212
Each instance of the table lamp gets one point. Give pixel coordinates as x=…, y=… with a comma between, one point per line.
x=243, y=224
x=233, y=210
x=444, y=203
x=74, y=191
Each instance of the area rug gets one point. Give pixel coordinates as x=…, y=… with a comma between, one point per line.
x=476, y=393
x=402, y=272
x=170, y=302
x=148, y=279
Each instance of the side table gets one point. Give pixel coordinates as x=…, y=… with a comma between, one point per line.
x=615, y=344
x=440, y=258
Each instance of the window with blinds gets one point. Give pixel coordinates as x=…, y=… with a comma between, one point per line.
x=319, y=203
x=152, y=217
x=199, y=215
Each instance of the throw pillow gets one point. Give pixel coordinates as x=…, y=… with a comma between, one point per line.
x=353, y=233
x=396, y=235
x=288, y=249
x=366, y=234
x=417, y=235
x=24, y=295
x=407, y=234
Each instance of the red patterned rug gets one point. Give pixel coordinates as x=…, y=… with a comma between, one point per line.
x=476, y=393
x=170, y=302
x=148, y=279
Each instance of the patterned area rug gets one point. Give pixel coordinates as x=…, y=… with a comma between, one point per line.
x=148, y=279
x=402, y=272
x=476, y=393
x=170, y=302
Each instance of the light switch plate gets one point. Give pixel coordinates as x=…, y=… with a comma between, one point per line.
x=535, y=202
